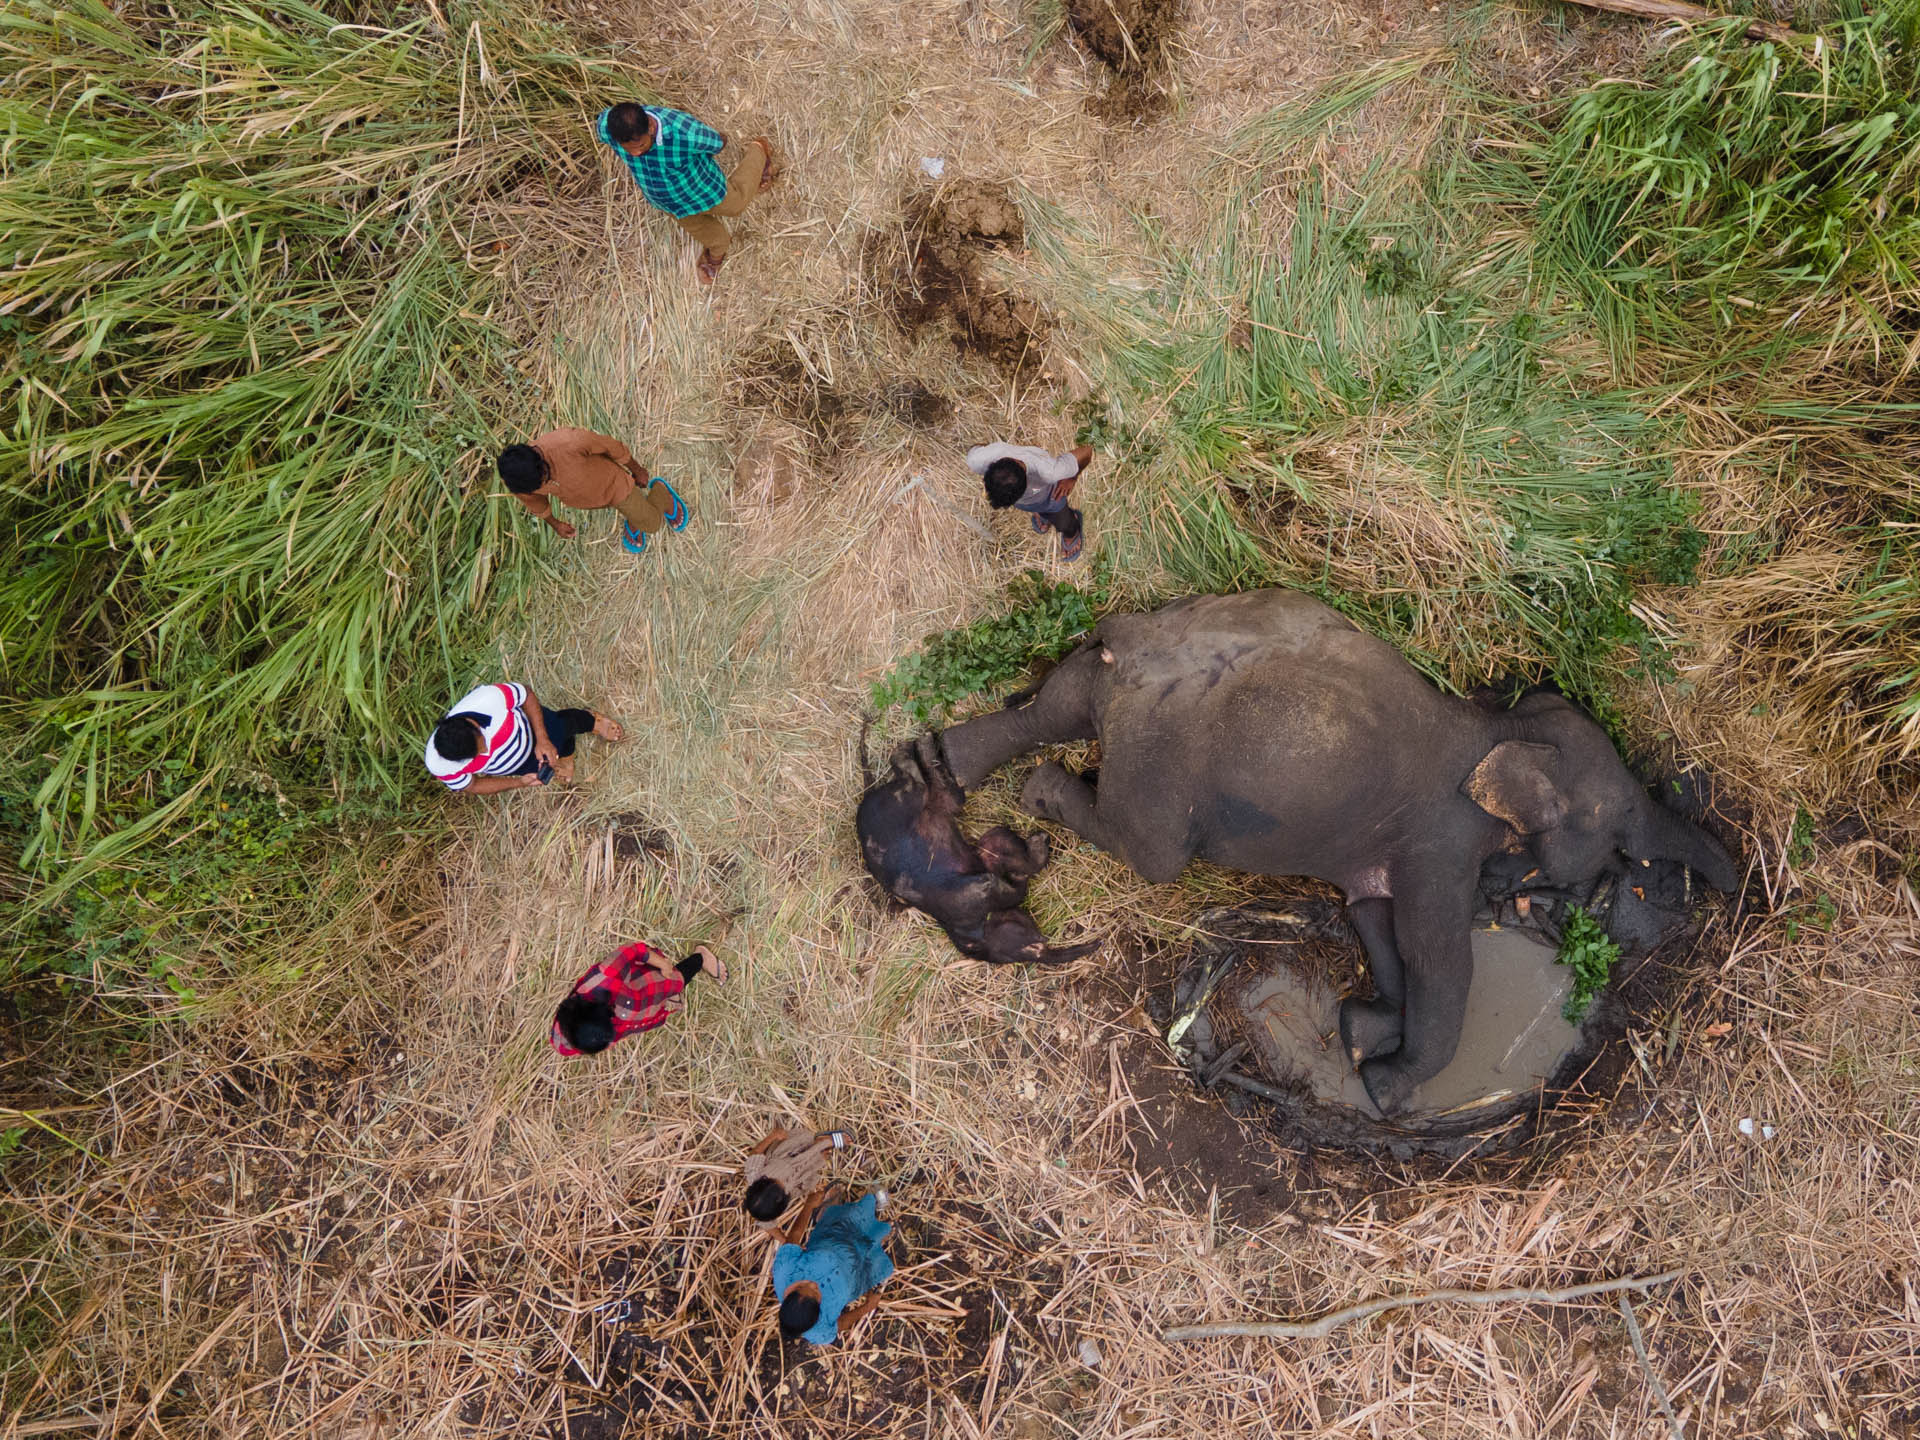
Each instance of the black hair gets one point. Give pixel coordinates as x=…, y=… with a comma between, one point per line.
x=798, y=1314
x=1006, y=482
x=766, y=1199
x=458, y=736
x=522, y=467
x=626, y=121
x=586, y=1021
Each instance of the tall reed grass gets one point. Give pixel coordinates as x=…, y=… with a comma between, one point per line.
x=256, y=359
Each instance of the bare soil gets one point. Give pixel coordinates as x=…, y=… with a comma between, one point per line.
x=1130, y=37
x=933, y=276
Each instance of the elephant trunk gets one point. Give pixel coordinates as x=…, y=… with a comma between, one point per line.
x=1657, y=833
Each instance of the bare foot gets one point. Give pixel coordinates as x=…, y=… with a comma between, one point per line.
x=564, y=770
x=608, y=729
x=772, y=172
x=712, y=965
x=709, y=267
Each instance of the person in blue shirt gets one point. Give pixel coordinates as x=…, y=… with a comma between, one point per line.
x=819, y=1283
x=672, y=158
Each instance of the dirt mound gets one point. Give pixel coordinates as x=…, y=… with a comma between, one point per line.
x=1130, y=37
x=934, y=276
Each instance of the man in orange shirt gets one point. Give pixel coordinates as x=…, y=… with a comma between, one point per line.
x=588, y=471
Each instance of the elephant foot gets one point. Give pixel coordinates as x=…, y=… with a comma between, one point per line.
x=1040, y=796
x=1369, y=1030
x=1390, y=1084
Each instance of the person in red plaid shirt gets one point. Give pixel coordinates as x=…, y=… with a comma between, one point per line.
x=635, y=990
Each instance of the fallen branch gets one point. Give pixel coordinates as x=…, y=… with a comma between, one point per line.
x=1327, y=1324
x=1680, y=10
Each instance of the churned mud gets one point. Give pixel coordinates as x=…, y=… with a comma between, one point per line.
x=1130, y=37
x=932, y=275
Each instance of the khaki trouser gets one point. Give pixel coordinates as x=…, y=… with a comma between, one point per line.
x=645, y=507
x=743, y=185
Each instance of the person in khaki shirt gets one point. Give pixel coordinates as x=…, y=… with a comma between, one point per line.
x=585, y=470
x=786, y=1167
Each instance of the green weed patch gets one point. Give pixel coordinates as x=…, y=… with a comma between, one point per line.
x=1043, y=621
x=1591, y=954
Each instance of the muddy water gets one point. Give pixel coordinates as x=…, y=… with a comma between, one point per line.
x=1514, y=1037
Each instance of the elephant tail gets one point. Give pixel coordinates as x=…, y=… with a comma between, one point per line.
x=1067, y=954
x=867, y=776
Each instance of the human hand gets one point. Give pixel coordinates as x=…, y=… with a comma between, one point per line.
x=545, y=751
x=528, y=780
x=565, y=529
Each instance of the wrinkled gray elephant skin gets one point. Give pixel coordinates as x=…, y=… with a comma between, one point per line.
x=910, y=837
x=1267, y=733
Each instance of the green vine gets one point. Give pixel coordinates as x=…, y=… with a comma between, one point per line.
x=1042, y=622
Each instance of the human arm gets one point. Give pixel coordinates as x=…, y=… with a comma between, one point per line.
x=850, y=1319
x=541, y=508
x=774, y=1137
x=1081, y=456
x=619, y=454
x=494, y=784
x=701, y=138
x=543, y=748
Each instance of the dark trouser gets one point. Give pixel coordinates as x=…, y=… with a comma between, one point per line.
x=690, y=967
x=1066, y=520
x=562, y=727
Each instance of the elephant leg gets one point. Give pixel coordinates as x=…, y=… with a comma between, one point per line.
x=1435, y=942
x=1371, y=1028
x=1053, y=794
x=1061, y=710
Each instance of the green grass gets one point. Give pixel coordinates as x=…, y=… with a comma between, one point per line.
x=250, y=334
x=1738, y=200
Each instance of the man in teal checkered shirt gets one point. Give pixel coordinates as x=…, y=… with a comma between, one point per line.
x=671, y=156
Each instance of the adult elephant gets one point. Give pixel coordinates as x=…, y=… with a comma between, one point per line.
x=1265, y=732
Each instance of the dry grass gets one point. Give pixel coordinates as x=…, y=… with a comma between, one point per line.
x=377, y=1207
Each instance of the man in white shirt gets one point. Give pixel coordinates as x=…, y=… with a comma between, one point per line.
x=500, y=737
x=1027, y=478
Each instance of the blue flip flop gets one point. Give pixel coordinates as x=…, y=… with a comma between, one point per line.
x=633, y=541
x=1040, y=526
x=677, y=516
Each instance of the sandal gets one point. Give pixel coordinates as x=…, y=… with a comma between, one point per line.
x=677, y=516
x=709, y=266
x=714, y=968
x=633, y=541
x=772, y=170
x=1070, y=547
x=1040, y=526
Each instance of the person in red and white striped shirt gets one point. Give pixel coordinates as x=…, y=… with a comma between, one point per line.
x=498, y=737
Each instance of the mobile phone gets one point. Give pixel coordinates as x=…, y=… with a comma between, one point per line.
x=545, y=772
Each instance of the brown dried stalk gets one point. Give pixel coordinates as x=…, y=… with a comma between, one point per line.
x=1327, y=1324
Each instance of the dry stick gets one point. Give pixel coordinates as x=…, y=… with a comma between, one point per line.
x=1327, y=1324
x=1680, y=10
x=1646, y=1367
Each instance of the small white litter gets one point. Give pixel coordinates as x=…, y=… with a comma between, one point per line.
x=1753, y=1129
x=1090, y=1355
x=933, y=166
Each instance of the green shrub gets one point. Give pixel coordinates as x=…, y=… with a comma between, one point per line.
x=1042, y=622
x=1592, y=954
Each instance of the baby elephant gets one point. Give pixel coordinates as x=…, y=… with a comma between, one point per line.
x=910, y=835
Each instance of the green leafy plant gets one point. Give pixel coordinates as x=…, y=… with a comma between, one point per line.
x=1042, y=622
x=1591, y=953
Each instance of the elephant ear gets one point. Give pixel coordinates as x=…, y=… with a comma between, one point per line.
x=1514, y=783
